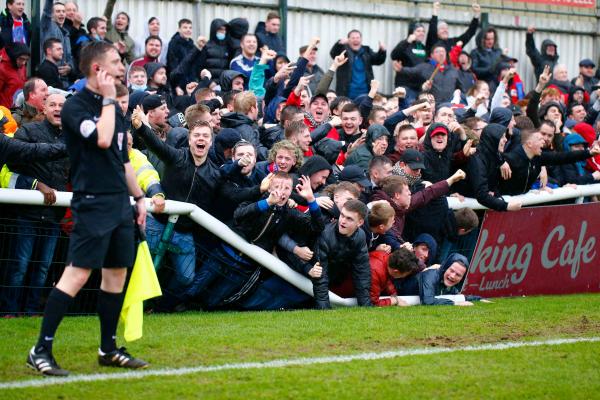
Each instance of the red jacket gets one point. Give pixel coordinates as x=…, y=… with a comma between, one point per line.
x=381, y=282
x=589, y=134
x=11, y=80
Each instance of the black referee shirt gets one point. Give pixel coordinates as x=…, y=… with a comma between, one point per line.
x=93, y=170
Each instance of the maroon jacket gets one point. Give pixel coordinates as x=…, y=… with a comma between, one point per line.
x=417, y=200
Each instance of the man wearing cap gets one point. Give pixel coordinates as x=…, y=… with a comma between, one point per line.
x=586, y=77
x=222, y=150
x=157, y=110
x=410, y=166
x=429, y=217
x=356, y=175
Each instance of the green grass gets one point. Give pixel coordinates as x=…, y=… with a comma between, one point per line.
x=192, y=339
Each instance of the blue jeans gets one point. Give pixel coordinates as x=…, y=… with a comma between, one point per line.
x=221, y=277
x=184, y=259
x=275, y=293
x=29, y=234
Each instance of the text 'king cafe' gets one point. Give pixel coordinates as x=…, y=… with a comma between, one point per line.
x=535, y=251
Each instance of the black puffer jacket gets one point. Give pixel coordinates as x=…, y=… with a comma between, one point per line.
x=340, y=256
x=431, y=282
x=214, y=56
x=182, y=179
x=54, y=174
x=217, y=53
x=483, y=169
x=14, y=151
x=179, y=47
x=247, y=129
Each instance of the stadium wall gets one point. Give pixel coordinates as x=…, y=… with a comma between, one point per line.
x=573, y=29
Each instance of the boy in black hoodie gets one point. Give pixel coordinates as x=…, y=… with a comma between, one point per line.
x=229, y=277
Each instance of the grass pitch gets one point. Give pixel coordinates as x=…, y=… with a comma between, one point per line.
x=193, y=339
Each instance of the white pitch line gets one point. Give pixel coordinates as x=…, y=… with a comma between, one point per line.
x=286, y=363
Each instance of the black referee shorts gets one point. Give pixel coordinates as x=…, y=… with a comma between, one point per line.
x=103, y=231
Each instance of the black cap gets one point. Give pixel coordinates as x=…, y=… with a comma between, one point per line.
x=586, y=62
x=413, y=158
x=316, y=96
x=213, y=104
x=151, y=102
x=355, y=174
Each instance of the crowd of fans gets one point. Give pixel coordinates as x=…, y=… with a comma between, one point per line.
x=348, y=186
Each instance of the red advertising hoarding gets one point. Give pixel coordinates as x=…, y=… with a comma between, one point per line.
x=567, y=3
x=535, y=251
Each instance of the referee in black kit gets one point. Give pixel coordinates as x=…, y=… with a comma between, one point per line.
x=103, y=233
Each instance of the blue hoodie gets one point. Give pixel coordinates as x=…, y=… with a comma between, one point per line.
x=427, y=239
x=571, y=140
x=431, y=282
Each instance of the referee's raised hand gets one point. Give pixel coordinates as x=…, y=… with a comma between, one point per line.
x=106, y=85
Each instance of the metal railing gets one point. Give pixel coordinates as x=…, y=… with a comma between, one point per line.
x=221, y=231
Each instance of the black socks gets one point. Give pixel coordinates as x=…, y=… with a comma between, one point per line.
x=56, y=307
x=109, y=308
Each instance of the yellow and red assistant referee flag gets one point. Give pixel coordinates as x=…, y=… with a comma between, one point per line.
x=143, y=285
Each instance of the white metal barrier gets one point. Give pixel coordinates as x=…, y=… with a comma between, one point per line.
x=222, y=231
x=534, y=197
